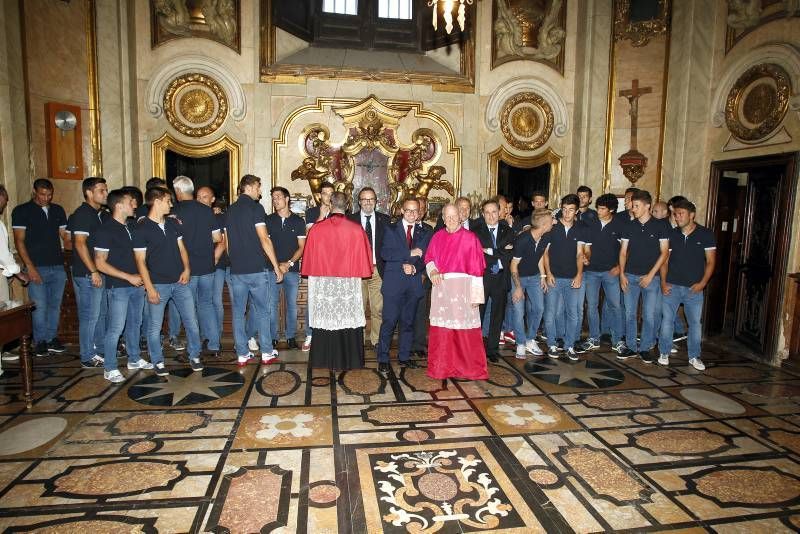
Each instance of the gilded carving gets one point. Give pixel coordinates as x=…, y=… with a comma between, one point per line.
x=745, y=16
x=757, y=102
x=217, y=20
x=195, y=104
x=640, y=30
x=526, y=121
x=529, y=30
x=371, y=155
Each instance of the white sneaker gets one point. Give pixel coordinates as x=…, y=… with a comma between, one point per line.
x=521, y=352
x=161, y=369
x=663, y=359
x=10, y=357
x=307, y=344
x=252, y=344
x=241, y=361
x=533, y=347
x=140, y=364
x=697, y=364
x=113, y=376
x=269, y=357
x=673, y=350
x=553, y=352
x=572, y=355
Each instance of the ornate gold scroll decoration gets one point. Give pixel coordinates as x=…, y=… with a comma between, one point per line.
x=526, y=121
x=639, y=33
x=757, y=102
x=195, y=104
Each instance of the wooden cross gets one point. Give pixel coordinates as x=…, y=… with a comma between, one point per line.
x=633, y=95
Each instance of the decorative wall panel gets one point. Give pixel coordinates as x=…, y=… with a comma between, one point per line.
x=218, y=20
x=525, y=30
x=745, y=16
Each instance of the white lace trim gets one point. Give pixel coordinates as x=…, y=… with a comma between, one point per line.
x=334, y=303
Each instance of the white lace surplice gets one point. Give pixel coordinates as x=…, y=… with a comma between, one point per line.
x=335, y=303
x=452, y=300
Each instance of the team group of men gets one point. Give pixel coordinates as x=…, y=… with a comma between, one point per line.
x=137, y=257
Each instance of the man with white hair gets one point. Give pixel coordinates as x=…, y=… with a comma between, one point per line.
x=202, y=235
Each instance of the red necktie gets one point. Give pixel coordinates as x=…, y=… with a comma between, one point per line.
x=408, y=235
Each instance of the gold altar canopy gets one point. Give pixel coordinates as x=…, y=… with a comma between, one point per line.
x=372, y=155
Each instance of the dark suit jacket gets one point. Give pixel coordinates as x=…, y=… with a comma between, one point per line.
x=504, y=250
x=380, y=221
x=395, y=252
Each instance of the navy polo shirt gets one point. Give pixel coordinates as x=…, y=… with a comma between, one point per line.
x=223, y=262
x=605, y=244
x=564, y=248
x=117, y=240
x=84, y=221
x=198, y=223
x=163, y=256
x=643, y=244
x=42, y=231
x=588, y=216
x=284, y=234
x=687, y=258
x=244, y=247
x=529, y=252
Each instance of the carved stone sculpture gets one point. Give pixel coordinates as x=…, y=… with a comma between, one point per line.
x=509, y=31
x=744, y=13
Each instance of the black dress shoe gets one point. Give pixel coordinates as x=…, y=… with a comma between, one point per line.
x=421, y=354
x=493, y=358
x=383, y=367
x=291, y=343
x=274, y=343
x=409, y=364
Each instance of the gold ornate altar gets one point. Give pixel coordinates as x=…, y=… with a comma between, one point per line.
x=371, y=153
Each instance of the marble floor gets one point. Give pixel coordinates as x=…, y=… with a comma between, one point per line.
x=598, y=445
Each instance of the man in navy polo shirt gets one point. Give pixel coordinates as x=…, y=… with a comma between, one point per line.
x=206, y=195
x=113, y=254
x=288, y=234
x=585, y=213
x=565, y=276
x=202, y=236
x=692, y=256
x=316, y=214
x=163, y=263
x=528, y=278
x=603, y=271
x=645, y=246
x=37, y=225
x=86, y=279
x=249, y=249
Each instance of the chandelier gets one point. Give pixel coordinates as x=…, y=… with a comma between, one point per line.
x=447, y=11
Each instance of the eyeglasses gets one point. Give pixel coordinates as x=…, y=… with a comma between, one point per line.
x=366, y=200
x=411, y=211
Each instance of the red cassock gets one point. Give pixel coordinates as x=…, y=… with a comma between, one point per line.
x=337, y=247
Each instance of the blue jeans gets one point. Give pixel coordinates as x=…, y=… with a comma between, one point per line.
x=184, y=302
x=679, y=326
x=256, y=287
x=693, y=308
x=173, y=321
x=47, y=297
x=125, y=305
x=202, y=288
x=532, y=305
x=612, y=316
x=91, y=304
x=651, y=313
x=220, y=277
x=563, y=291
x=290, y=284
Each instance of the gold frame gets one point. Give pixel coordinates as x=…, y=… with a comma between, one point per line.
x=269, y=71
x=405, y=106
x=223, y=144
x=612, y=84
x=96, y=165
x=527, y=162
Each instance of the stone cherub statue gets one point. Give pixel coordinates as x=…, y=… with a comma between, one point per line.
x=508, y=31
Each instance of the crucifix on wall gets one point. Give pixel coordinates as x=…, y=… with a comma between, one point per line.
x=633, y=162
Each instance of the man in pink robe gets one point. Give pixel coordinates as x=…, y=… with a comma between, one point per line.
x=455, y=264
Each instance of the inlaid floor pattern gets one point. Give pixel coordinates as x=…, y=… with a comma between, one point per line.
x=598, y=445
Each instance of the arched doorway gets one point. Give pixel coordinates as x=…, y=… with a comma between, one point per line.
x=515, y=176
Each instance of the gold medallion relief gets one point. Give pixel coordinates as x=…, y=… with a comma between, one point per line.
x=195, y=105
x=526, y=121
x=757, y=102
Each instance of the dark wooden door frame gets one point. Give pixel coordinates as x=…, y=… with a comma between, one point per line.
x=788, y=189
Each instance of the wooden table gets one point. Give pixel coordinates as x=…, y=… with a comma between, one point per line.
x=17, y=323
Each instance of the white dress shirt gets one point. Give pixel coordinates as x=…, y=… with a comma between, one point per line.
x=372, y=238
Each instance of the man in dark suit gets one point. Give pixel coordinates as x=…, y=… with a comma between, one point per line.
x=497, y=241
x=403, y=249
x=419, y=348
x=374, y=224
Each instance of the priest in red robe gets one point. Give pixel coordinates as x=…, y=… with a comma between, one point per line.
x=455, y=264
x=336, y=257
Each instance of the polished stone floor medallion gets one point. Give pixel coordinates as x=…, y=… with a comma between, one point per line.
x=253, y=499
x=31, y=434
x=98, y=524
x=681, y=441
x=179, y=422
x=456, y=487
x=378, y=414
x=524, y=415
x=752, y=487
x=712, y=401
x=363, y=382
x=278, y=383
x=583, y=374
x=603, y=476
x=285, y=427
x=184, y=387
x=117, y=478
